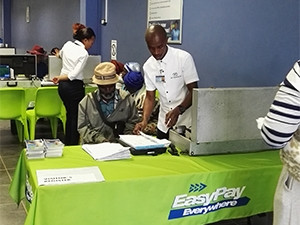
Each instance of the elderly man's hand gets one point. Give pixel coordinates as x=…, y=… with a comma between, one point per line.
x=139, y=127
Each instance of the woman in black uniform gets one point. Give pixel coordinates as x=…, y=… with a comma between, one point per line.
x=71, y=87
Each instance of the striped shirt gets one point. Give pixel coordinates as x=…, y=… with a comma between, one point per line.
x=283, y=118
x=281, y=125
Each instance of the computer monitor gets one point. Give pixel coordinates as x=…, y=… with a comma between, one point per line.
x=21, y=64
x=55, y=65
x=4, y=72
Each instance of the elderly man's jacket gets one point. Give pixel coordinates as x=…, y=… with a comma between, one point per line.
x=93, y=129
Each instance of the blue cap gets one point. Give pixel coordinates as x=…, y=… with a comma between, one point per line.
x=133, y=81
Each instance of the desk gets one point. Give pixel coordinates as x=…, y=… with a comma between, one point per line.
x=31, y=86
x=7, y=51
x=151, y=189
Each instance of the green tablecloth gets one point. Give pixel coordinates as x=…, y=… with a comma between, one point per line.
x=161, y=189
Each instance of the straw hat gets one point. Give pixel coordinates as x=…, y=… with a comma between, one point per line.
x=105, y=74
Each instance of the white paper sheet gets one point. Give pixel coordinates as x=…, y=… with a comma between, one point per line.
x=69, y=176
x=107, y=151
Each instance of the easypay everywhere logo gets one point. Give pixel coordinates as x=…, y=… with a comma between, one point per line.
x=190, y=205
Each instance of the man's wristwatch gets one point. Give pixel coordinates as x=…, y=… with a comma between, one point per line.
x=181, y=109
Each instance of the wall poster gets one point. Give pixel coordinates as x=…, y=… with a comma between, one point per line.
x=167, y=13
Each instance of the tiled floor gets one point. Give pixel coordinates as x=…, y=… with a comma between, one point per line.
x=11, y=214
x=10, y=148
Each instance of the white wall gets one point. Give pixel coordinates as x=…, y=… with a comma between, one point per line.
x=50, y=23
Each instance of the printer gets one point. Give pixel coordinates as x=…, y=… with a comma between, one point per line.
x=224, y=120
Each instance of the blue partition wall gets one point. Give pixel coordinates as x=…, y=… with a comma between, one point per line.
x=93, y=17
x=233, y=42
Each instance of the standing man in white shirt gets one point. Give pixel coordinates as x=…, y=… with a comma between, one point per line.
x=173, y=73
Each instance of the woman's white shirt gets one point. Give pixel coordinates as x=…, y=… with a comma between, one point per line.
x=74, y=57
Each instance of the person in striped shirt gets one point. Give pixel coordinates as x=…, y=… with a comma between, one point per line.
x=280, y=129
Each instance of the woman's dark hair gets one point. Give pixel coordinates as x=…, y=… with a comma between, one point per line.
x=83, y=33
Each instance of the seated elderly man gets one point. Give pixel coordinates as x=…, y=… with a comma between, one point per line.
x=104, y=114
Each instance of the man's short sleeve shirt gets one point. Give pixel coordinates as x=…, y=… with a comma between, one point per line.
x=170, y=77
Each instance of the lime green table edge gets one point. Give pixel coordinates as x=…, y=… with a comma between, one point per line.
x=160, y=189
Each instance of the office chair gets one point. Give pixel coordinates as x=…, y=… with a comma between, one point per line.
x=47, y=105
x=12, y=107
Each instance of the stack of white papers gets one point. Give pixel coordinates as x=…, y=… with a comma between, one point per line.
x=144, y=141
x=107, y=151
x=53, y=147
x=69, y=176
x=35, y=149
